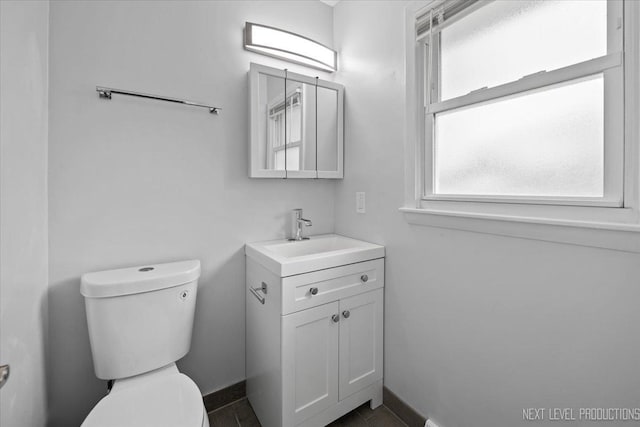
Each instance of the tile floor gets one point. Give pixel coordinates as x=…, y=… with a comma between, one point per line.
x=240, y=414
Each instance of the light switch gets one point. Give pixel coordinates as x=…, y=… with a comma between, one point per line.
x=360, y=202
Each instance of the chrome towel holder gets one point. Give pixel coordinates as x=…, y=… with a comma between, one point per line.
x=106, y=92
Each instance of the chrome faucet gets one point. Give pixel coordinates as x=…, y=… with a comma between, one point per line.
x=296, y=225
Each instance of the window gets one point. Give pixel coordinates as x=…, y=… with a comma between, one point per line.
x=523, y=102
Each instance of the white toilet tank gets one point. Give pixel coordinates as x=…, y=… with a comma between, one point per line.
x=140, y=318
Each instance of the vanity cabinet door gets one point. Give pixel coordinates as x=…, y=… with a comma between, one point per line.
x=309, y=362
x=361, y=323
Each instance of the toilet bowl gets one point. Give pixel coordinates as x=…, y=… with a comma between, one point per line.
x=162, y=398
x=140, y=321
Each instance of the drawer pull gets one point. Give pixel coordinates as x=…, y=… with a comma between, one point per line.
x=346, y=314
x=313, y=291
x=335, y=318
x=364, y=278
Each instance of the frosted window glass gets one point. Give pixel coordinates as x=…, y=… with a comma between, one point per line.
x=541, y=143
x=506, y=40
x=293, y=158
x=294, y=124
x=279, y=160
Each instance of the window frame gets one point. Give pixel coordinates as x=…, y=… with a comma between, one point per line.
x=598, y=226
x=611, y=66
x=281, y=110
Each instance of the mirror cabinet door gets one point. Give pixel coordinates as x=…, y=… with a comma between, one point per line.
x=329, y=133
x=300, y=129
x=295, y=125
x=267, y=125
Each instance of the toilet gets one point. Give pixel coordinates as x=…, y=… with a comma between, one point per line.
x=140, y=321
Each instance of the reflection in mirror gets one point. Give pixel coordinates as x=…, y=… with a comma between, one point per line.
x=271, y=122
x=300, y=126
x=289, y=138
x=327, y=123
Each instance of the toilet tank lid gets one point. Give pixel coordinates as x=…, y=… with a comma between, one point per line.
x=135, y=280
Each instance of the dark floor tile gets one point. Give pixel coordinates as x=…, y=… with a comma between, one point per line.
x=240, y=414
x=383, y=417
x=365, y=410
x=223, y=417
x=352, y=419
x=245, y=415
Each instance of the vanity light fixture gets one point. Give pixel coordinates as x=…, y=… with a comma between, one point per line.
x=289, y=46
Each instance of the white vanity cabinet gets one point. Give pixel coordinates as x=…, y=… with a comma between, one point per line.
x=314, y=342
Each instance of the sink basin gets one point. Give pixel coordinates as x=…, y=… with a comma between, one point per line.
x=317, y=246
x=286, y=258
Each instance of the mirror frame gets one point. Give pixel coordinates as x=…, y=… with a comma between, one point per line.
x=255, y=166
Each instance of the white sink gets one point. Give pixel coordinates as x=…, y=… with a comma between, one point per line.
x=286, y=258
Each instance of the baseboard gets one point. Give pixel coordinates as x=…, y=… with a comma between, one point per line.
x=223, y=397
x=405, y=412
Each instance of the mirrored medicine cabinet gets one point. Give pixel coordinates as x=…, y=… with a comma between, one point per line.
x=296, y=125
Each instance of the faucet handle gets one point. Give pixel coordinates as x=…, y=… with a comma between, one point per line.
x=296, y=225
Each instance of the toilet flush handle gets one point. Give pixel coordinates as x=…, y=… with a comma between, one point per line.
x=4, y=374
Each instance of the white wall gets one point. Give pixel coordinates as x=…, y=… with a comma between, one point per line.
x=136, y=182
x=24, y=48
x=477, y=327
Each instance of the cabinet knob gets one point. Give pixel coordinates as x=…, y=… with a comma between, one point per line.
x=314, y=291
x=364, y=278
x=335, y=318
x=346, y=314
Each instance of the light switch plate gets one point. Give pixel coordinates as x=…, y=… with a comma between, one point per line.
x=360, y=202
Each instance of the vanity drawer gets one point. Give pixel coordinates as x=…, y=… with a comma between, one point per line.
x=320, y=287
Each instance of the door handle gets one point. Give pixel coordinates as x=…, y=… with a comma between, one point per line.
x=4, y=374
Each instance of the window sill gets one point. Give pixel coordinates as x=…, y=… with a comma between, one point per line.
x=608, y=235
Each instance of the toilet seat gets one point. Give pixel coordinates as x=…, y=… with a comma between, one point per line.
x=157, y=401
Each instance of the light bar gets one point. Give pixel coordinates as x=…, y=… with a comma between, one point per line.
x=289, y=46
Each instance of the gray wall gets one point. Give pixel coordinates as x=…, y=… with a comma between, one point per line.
x=136, y=182
x=24, y=48
x=477, y=326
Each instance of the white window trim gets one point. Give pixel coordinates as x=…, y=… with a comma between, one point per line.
x=597, y=226
x=610, y=66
